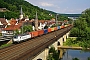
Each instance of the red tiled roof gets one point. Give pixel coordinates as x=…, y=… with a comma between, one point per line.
x=13, y=22
x=12, y=27
x=3, y=21
x=43, y=21
x=65, y=20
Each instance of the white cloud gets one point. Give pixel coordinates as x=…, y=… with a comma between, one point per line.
x=45, y=4
x=61, y=6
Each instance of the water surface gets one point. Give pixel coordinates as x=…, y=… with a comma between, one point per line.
x=70, y=54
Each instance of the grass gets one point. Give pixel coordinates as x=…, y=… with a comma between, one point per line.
x=71, y=42
x=5, y=45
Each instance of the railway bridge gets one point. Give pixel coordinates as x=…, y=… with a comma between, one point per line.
x=36, y=48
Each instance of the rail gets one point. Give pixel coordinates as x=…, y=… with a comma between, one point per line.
x=29, y=49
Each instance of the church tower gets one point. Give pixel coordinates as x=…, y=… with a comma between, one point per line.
x=21, y=13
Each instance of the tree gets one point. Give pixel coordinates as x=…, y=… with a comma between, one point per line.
x=86, y=15
x=82, y=29
x=88, y=58
x=75, y=59
x=74, y=32
x=27, y=28
x=28, y=9
x=17, y=32
x=53, y=54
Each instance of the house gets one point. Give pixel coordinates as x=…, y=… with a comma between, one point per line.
x=3, y=10
x=3, y=24
x=42, y=24
x=15, y=24
x=11, y=26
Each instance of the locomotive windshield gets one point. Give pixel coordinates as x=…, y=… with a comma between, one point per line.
x=15, y=36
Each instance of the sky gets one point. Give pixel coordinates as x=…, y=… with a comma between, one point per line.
x=62, y=6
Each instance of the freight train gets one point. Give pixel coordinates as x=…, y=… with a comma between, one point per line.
x=25, y=36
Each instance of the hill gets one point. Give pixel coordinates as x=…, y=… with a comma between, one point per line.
x=13, y=10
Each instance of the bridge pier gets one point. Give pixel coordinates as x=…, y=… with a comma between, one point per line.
x=67, y=34
x=55, y=44
x=46, y=53
x=62, y=51
x=61, y=54
x=64, y=37
x=43, y=55
x=61, y=41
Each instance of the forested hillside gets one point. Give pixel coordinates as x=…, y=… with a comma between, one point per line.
x=13, y=10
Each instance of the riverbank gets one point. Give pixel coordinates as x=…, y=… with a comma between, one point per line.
x=71, y=47
x=68, y=47
x=72, y=43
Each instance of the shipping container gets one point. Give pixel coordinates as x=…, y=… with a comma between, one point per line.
x=55, y=28
x=58, y=27
x=49, y=29
x=66, y=25
x=45, y=31
x=33, y=33
x=69, y=24
x=40, y=32
x=52, y=29
x=62, y=27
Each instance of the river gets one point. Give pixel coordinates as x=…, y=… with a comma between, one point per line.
x=69, y=54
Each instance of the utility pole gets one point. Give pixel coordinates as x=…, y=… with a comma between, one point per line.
x=22, y=27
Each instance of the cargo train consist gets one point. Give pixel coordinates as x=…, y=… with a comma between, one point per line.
x=25, y=36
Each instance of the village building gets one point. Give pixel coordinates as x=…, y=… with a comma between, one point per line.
x=9, y=26
x=3, y=24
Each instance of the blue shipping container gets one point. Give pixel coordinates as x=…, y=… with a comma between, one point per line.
x=45, y=31
x=58, y=27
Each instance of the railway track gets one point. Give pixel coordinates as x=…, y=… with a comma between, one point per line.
x=43, y=46
x=30, y=47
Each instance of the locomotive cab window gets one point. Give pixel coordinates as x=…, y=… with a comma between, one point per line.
x=15, y=36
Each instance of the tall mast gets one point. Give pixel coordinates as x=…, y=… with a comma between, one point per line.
x=56, y=19
x=21, y=13
x=36, y=16
x=36, y=22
